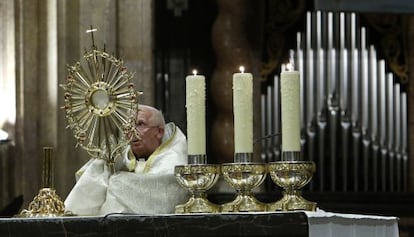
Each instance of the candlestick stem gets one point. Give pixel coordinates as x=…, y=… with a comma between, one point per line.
x=291, y=156
x=197, y=159
x=243, y=157
x=47, y=172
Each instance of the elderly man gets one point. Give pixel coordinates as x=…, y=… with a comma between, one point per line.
x=145, y=181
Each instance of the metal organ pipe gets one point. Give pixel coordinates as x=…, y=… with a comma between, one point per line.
x=354, y=114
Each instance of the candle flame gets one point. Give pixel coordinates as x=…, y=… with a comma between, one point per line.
x=241, y=68
x=289, y=67
x=195, y=72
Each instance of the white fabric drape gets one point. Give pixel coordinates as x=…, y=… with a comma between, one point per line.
x=331, y=224
x=150, y=190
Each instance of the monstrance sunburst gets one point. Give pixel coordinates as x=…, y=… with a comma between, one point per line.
x=100, y=103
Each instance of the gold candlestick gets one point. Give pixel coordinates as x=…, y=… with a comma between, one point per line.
x=47, y=203
x=292, y=176
x=197, y=177
x=244, y=175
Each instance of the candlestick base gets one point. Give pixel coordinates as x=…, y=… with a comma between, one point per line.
x=291, y=176
x=244, y=177
x=197, y=178
x=46, y=204
x=292, y=201
x=198, y=203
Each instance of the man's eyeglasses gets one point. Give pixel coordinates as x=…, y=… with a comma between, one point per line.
x=143, y=127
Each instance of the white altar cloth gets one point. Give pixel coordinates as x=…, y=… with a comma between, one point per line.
x=328, y=224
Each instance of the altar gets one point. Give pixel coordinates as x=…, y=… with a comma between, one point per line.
x=296, y=223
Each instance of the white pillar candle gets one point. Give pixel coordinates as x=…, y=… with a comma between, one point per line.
x=243, y=111
x=196, y=122
x=290, y=106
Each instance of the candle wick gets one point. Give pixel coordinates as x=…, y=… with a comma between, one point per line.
x=291, y=64
x=195, y=72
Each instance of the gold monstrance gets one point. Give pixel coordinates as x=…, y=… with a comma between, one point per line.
x=100, y=104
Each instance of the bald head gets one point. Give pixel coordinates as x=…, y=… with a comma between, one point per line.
x=150, y=125
x=155, y=116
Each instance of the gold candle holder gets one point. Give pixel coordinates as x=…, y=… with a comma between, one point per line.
x=292, y=176
x=244, y=175
x=197, y=177
x=47, y=203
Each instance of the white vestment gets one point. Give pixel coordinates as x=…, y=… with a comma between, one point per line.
x=149, y=187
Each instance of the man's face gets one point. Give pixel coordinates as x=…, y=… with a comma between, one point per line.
x=150, y=135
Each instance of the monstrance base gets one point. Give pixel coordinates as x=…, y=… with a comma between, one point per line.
x=244, y=203
x=197, y=205
x=292, y=201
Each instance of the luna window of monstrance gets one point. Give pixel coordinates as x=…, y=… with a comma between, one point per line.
x=100, y=103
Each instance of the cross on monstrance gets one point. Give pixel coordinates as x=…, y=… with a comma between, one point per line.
x=90, y=31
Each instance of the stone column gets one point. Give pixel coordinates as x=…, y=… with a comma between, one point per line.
x=135, y=44
x=232, y=48
x=7, y=98
x=27, y=156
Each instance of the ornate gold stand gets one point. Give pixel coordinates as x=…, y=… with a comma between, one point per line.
x=292, y=176
x=47, y=203
x=244, y=176
x=197, y=178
